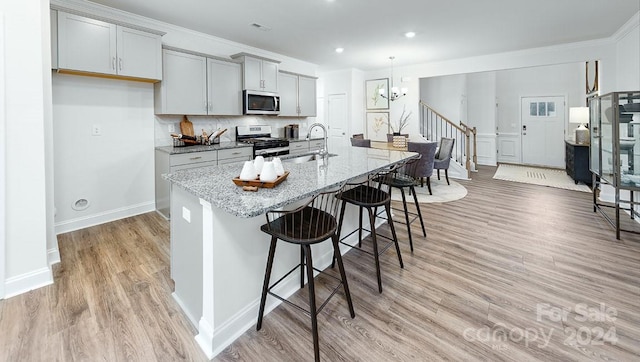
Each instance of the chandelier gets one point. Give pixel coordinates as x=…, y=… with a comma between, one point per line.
x=395, y=91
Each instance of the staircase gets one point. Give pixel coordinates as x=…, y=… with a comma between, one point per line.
x=434, y=126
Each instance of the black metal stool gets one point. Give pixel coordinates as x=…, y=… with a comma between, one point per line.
x=370, y=194
x=307, y=225
x=403, y=178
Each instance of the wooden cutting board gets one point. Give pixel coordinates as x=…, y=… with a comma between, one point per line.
x=186, y=127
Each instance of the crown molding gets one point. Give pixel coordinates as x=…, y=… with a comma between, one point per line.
x=632, y=24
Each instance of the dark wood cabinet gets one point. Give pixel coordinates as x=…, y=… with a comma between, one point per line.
x=576, y=159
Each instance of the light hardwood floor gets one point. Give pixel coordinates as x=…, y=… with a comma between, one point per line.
x=483, y=285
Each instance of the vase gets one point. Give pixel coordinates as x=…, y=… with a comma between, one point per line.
x=399, y=141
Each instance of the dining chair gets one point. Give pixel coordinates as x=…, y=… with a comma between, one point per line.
x=355, y=142
x=424, y=166
x=443, y=157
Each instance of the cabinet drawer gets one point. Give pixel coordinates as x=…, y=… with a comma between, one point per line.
x=192, y=165
x=296, y=147
x=193, y=157
x=316, y=144
x=240, y=152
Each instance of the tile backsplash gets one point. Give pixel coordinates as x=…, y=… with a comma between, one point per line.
x=209, y=123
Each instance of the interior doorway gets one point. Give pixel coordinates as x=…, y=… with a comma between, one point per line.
x=337, y=120
x=542, y=128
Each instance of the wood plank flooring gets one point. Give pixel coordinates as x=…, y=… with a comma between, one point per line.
x=490, y=282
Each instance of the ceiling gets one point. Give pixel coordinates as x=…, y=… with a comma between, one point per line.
x=372, y=30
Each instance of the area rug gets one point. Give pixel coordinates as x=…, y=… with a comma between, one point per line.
x=441, y=192
x=539, y=176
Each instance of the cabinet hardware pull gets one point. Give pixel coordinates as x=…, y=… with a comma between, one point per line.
x=236, y=153
x=195, y=158
x=120, y=63
x=113, y=63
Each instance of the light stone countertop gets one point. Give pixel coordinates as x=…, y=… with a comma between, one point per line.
x=214, y=184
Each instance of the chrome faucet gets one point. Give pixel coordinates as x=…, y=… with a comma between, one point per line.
x=324, y=150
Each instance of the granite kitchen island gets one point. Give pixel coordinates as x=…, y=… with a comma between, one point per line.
x=218, y=253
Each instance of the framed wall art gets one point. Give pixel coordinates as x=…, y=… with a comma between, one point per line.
x=372, y=93
x=377, y=126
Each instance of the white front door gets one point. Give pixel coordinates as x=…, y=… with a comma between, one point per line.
x=337, y=120
x=542, y=128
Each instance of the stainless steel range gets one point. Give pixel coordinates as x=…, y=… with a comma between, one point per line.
x=263, y=144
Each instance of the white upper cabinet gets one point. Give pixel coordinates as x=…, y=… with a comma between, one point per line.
x=259, y=74
x=139, y=53
x=307, y=96
x=94, y=46
x=297, y=95
x=183, y=89
x=224, y=88
x=288, y=85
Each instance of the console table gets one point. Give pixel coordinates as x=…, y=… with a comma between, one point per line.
x=577, y=162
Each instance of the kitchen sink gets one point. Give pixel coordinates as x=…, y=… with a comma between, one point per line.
x=305, y=158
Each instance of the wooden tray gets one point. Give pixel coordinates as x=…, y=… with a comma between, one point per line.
x=258, y=183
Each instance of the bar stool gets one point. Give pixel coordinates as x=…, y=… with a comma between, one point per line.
x=401, y=179
x=309, y=224
x=371, y=193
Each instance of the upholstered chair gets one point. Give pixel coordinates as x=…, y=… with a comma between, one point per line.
x=361, y=142
x=443, y=157
x=424, y=167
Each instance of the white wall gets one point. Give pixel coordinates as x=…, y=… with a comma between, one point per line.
x=3, y=142
x=25, y=99
x=481, y=113
x=628, y=55
x=114, y=171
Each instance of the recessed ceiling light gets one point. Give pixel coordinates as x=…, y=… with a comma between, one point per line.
x=339, y=50
x=409, y=34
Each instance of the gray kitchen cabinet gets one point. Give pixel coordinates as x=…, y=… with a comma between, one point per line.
x=258, y=73
x=95, y=46
x=306, y=96
x=224, y=88
x=183, y=89
x=298, y=147
x=53, y=14
x=316, y=144
x=168, y=163
x=230, y=155
x=288, y=90
x=297, y=95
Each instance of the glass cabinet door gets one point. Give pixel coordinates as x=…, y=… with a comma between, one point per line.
x=607, y=117
x=629, y=138
x=594, y=124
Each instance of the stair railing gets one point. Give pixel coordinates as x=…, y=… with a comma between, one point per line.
x=435, y=126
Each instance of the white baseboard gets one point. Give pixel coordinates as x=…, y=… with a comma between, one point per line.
x=104, y=217
x=53, y=256
x=29, y=281
x=192, y=319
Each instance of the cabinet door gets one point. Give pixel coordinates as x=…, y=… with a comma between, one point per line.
x=252, y=74
x=269, y=76
x=183, y=89
x=288, y=94
x=86, y=44
x=306, y=97
x=224, y=88
x=139, y=54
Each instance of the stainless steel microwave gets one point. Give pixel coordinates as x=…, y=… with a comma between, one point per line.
x=256, y=102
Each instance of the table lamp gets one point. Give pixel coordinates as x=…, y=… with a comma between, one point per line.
x=580, y=115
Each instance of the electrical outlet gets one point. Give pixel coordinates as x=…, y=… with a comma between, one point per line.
x=171, y=128
x=96, y=130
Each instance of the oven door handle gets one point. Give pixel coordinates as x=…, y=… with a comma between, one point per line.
x=271, y=150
